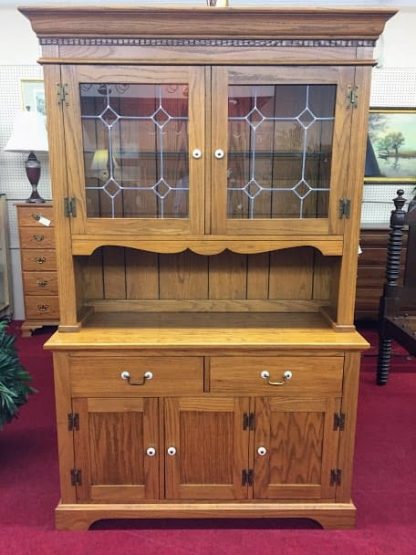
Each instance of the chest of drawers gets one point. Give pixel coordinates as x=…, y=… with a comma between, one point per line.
x=37, y=248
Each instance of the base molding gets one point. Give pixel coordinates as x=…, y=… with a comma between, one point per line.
x=328, y=515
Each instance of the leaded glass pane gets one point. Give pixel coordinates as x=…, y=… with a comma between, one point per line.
x=280, y=150
x=135, y=140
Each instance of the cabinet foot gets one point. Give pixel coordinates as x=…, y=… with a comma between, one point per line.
x=328, y=515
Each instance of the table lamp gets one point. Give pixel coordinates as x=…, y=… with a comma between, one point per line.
x=29, y=135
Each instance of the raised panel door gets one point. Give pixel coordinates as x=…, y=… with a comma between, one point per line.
x=206, y=448
x=135, y=144
x=295, y=448
x=280, y=149
x=111, y=450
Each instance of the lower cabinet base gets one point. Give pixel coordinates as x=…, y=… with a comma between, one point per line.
x=328, y=515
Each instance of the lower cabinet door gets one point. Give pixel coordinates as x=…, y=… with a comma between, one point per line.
x=117, y=450
x=206, y=448
x=295, y=448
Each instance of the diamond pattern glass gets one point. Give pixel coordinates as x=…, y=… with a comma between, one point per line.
x=279, y=150
x=135, y=140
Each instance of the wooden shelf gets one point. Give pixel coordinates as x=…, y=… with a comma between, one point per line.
x=207, y=330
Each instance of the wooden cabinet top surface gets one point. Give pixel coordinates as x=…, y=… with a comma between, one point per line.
x=207, y=330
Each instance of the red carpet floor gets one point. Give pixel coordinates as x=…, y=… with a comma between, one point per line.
x=384, y=485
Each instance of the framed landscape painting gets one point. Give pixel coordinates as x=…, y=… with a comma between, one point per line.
x=33, y=95
x=391, y=146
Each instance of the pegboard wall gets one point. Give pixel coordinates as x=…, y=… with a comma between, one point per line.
x=13, y=181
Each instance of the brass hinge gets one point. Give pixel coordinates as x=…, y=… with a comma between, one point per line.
x=247, y=477
x=70, y=209
x=62, y=93
x=249, y=421
x=73, y=421
x=352, y=96
x=75, y=477
x=339, y=421
x=335, y=477
x=344, y=207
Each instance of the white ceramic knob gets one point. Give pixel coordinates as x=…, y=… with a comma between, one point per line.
x=125, y=375
x=219, y=154
x=197, y=153
x=148, y=375
x=262, y=451
x=287, y=375
x=171, y=451
x=150, y=451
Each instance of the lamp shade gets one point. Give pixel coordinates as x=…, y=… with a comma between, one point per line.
x=29, y=133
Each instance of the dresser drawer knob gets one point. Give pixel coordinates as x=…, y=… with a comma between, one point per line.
x=261, y=451
x=36, y=217
x=43, y=307
x=287, y=375
x=171, y=451
x=42, y=282
x=125, y=375
x=150, y=451
x=40, y=260
x=38, y=238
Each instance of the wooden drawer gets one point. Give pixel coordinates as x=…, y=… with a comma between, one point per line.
x=34, y=260
x=99, y=376
x=37, y=238
x=30, y=215
x=310, y=375
x=40, y=283
x=41, y=308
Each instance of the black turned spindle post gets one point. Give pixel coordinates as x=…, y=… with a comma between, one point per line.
x=390, y=292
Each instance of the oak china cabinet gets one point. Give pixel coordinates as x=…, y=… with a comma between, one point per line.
x=207, y=168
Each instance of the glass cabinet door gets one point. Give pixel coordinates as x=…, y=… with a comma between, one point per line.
x=280, y=149
x=135, y=153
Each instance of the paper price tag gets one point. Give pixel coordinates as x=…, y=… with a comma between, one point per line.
x=44, y=221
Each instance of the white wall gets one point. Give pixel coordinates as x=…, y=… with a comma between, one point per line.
x=19, y=51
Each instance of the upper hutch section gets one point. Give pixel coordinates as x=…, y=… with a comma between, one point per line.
x=208, y=123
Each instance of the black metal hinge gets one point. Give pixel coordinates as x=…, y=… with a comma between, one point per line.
x=70, y=209
x=73, y=421
x=247, y=477
x=339, y=421
x=335, y=477
x=76, y=477
x=344, y=208
x=352, y=96
x=62, y=93
x=249, y=421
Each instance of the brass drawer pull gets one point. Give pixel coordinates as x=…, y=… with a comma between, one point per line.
x=40, y=260
x=43, y=307
x=42, y=282
x=125, y=375
x=287, y=375
x=38, y=238
x=36, y=217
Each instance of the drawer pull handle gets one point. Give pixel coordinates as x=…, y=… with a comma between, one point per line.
x=43, y=307
x=171, y=451
x=219, y=154
x=150, y=451
x=36, y=217
x=42, y=282
x=38, y=238
x=287, y=375
x=40, y=260
x=197, y=153
x=262, y=451
x=125, y=375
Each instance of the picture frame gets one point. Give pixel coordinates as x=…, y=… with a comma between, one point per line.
x=391, y=146
x=33, y=95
